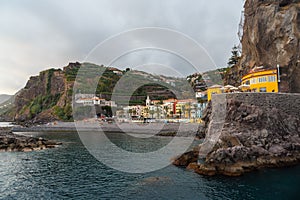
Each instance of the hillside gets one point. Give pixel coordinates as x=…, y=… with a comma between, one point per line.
x=7, y=109
x=200, y=82
x=271, y=36
x=4, y=97
x=48, y=96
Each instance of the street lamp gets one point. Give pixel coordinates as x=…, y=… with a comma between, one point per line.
x=278, y=75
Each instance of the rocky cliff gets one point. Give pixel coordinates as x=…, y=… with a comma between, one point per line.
x=271, y=36
x=248, y=131
x=46, y=97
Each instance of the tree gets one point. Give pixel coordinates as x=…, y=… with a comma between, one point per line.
x=180, y=113
x=235, y=57
x=107, y=111
x=189, y=109
x=151, y=112
x=172, y=114
x=166, y=108
x=146, y=112
x=130, y=111
x=157, y=111
x=183, y=110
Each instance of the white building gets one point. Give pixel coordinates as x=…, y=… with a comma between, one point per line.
x=91, y=101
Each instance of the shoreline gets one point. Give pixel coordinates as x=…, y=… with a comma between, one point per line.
x=159, y=129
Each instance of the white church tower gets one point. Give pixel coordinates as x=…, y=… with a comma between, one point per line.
x=148, y=101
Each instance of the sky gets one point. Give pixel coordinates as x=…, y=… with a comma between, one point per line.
x=37, y=35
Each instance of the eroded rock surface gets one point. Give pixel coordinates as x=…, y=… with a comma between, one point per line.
x=259, y=130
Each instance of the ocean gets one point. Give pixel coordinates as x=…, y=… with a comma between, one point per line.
x=70, y=172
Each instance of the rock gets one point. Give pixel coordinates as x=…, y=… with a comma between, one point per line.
x=277, y=150
x=185, y=159
x=271, y=140
x=208, y=170
x=155, y=180
x=12, y=142
x=251, y=118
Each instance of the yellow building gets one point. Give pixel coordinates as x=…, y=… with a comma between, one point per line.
x=215, y=89
x=261, y=81
x=184, y=108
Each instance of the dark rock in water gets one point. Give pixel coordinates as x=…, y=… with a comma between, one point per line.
x=257, y=131
x=155, y=180
x=13, y=142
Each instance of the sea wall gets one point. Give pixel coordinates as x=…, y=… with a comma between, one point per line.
x=285, y=102
x=248, y=131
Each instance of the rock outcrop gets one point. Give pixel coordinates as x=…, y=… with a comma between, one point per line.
x=271, y=36
x=258, y=131
x=13, y=142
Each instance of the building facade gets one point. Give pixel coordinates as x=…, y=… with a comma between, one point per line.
x=261, y=81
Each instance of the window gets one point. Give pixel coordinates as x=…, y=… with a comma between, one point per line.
x=254, y=90
x=272, y=78
x=263, y=89
x=253, y=80
x=247, y=82
x=262, y=79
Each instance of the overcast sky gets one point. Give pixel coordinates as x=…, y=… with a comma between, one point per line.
x=36, y=35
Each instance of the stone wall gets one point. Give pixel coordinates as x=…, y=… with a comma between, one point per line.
x=287, y=103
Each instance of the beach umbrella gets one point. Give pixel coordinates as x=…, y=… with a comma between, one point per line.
x=228, y=86
x=244, y=87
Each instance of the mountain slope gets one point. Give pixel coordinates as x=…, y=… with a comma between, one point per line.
x=4, y=97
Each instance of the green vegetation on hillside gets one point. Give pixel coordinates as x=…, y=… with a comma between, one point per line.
x=42, y=103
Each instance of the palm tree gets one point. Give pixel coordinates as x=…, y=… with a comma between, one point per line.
x=157, y=112
x=166, y=108
x=146, y=110
x=130, y=112
x=172, y=114
x=180, y=112
x=183, y=110
x=189, y=109
x=151, y=112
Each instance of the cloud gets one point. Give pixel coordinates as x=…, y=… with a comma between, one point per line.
x=36, y=35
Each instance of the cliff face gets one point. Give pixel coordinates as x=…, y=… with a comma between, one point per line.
x=271, y=36
x=45, y=96
x=254, y=131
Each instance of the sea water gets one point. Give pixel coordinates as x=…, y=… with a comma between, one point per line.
x=70, y=172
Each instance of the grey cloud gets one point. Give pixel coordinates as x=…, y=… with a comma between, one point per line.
x=52, y=33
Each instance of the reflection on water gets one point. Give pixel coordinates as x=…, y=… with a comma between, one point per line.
x=70, y=172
